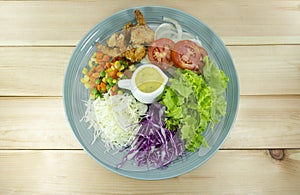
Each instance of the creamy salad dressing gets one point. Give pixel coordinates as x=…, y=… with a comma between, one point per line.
x=148, y=80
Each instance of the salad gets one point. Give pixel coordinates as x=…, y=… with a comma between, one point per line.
x=155, y=134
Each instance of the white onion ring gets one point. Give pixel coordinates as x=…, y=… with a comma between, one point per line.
x=177, y=25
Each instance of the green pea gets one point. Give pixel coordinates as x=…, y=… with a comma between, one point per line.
x=98, y=81
x=110, y=80
x=102, y=73
x=94, y=91
x=97, y=95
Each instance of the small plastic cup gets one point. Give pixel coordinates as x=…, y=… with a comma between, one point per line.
x=147, y=83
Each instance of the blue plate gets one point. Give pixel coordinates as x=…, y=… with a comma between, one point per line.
x=74, y=92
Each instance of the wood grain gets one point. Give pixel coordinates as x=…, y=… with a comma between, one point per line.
x=34, y=123
x=40, y=155
x=268, y=70
x=40, y=123
x=74, y=172
x=39, y=71
x=66, y=22
x=33, y=71
x=266, y=122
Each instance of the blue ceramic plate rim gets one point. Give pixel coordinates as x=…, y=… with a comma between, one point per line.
x=147, y=174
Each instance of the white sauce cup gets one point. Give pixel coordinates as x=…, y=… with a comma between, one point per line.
x=132, y=84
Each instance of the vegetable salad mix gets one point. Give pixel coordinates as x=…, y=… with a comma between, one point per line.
x=193, y=101
x=153, y=135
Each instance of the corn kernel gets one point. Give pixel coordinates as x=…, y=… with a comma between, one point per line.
x=85, y=71
x=93, y=59
x=132, y=68
x=120, y=74
x=90, y=64
x=122, y=67
x=117, y=65
x=104, y=80
x=120, y=92
x=87, y=85
x=82, y=80
x=114, y=81
x=86, y=78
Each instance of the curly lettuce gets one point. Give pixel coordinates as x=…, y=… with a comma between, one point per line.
x=217, y=81
x=193, y=101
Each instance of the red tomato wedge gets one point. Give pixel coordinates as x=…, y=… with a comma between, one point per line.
x=187, y=54
x=159, y=52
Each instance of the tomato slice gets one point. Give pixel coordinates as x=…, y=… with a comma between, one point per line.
x=187, y=54
x=159, y=52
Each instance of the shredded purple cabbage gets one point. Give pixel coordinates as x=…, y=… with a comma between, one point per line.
x=154, y=144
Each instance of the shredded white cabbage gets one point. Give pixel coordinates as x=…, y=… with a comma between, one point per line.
x=115, y=119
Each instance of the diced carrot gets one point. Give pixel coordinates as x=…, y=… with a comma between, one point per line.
x=113, y=74
x=92, y=79
x=99, y=55
x=91, y=71
x=99, y=61
x=99, y=68
x=92, y=85
x=105, y=58
x=98, y=87
x=92, y=82
x=96, y=74
x=102, y=86
x=107, y=65
x=114, y=90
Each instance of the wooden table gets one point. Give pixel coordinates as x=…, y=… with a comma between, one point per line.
x=40, y=155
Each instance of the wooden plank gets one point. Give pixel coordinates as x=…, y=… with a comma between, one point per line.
x=35, y=123
x=74, y=172
x=66, y=22
x=265, y=70
x=266, y=122
x=39, y=71
x=40, y=123
x=33, y=71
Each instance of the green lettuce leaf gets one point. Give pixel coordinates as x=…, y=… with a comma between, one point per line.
x=217, y=81
x=193, y=101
